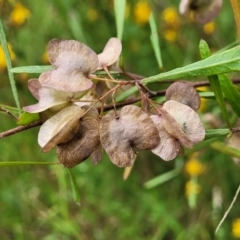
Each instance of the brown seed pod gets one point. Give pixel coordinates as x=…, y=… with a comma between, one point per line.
x=85, y=141
x=96, y=156
x=110, y=53
x=34, y=86
x=204, y=11
x=169, y=146
x=131, y=129
x=182, y=122
x=71, y=54
x=185, y=93
x=60, y=128
x=73, y=62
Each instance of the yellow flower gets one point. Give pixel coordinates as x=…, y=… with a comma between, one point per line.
x=3, y=63
x=193, y=167
x=170, y=35
x=45, y=57
x=192, y=188
x=19, y=15
x=92, y=14
x=236, y=228
x=204, y=101
x=209, y=28
x=142, y=12
x=170, y=16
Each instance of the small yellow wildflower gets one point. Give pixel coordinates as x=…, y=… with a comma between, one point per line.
x=19, y=15
x=142, y=12
x=204, y=101
x=3, y=63
x=209, y=28
x=236, y=228
x=192, y=188
x=92, y=14
x=170, y=16
x=45, y=57
x=170, y=35
x=193, y=167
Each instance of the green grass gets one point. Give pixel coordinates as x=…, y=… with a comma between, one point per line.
x=36, y=202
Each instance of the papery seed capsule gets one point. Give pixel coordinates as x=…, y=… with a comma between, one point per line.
x=185, y=93
x=83, y=144
x=132, y=129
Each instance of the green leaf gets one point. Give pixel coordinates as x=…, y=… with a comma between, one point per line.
x=75, y=190
x=231, y=93
x=201, y=145
x=223, y=148
x=119, y=8
x=212, y=133
x=31, y=69
x=155, y=40
x=206, y=94
x=154, y=182
x=27, y=118
x=214, y=82
x=227, y=61
x=126, y=94
x=3, y=41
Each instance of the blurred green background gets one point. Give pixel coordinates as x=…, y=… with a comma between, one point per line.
x=36, y=202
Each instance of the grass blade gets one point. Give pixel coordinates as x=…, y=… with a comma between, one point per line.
x=75, y=190
x=119, y=8
x=223, y=148
x=231, y=93
x=155, y=40
x=3, y=41
x=214, y=82
x=154, y=182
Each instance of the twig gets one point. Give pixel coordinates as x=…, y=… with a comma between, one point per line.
x=8, y=113
x=111, y=106
x=234, y=130
x=19, y=129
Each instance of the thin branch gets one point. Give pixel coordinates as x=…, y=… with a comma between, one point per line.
x=234, y=130
x=19, y=129
x=111, y=106
x=3, y=109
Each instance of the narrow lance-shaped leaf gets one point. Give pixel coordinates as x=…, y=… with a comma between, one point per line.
x=212, y=133
x=226, y=150
x=231, y=93
x=154, y=182
x=155, y=40
x=119, y=8
x=75, y=190
x=9, y=66
x=214, y=82
x=31, y=69
x=227, y=61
